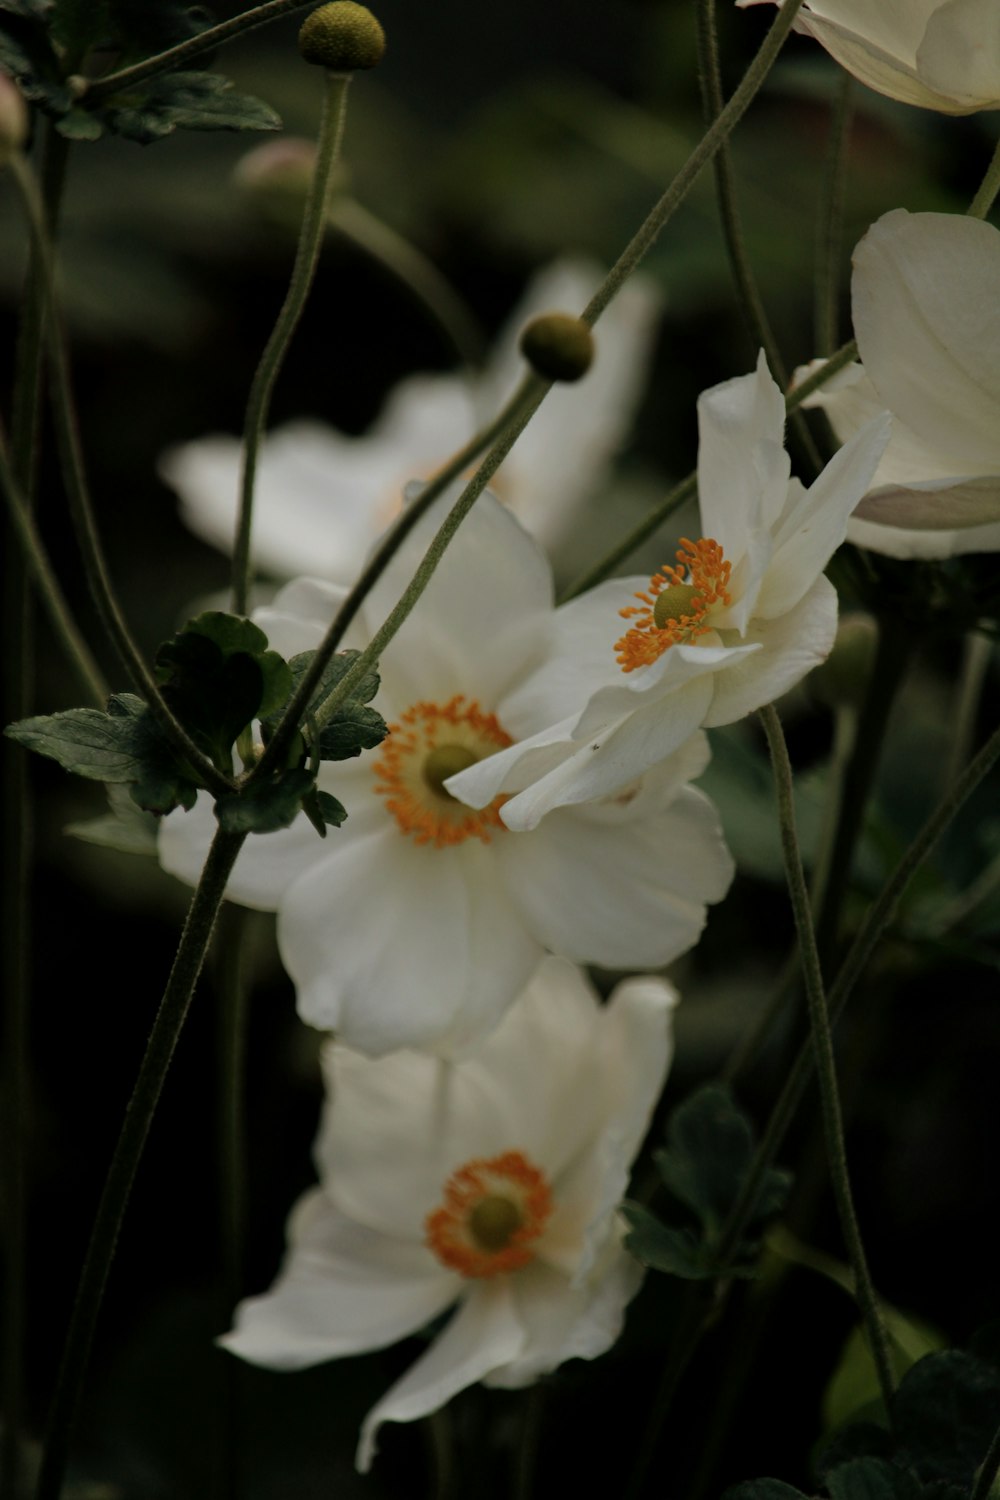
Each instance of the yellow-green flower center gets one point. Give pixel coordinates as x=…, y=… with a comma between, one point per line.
x=673, y=604
x=444, y=761
x=494, y=1221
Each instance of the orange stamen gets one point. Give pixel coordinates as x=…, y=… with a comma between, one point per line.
x=409, y=776
x=702, y=566
x=492, y=1211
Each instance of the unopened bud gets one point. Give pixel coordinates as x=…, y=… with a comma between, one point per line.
x=841, y=680
x=558, y=346
x=343, y=37
x=13, y=119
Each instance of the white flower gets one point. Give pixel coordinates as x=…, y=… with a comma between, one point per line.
x=742, y=617
x=492, y=1183
x=418, y=921
x=928, y=330
x=322, y=498
x=940, y=54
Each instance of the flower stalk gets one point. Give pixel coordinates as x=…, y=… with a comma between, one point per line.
x=331, y=132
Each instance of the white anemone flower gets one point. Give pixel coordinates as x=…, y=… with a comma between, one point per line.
x=420, y=920
x=743, y=615
x=928, y=331
x=322, y=497
x=490, y=1184
x=939, y=54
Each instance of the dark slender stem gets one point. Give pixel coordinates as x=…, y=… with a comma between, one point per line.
x=526, y=1459
x=988, y=1471
x=685, y=1336
x=185, y=52
x=825, y=1062
x=751, y=301
x=989, y=187
x=165, y=1034
x=892, y=654
x=331, y=133
x=830, y=225
x=499, y=437
x=81, y=508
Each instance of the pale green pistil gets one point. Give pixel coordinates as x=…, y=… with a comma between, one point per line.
x=444, y=761
x=673, y=604
x=493, y=1222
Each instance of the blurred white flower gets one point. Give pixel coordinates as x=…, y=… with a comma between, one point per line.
x=740, y=619
x=927, y=322
x=322, y=498
x=492, y=1183
x=940, y=54
x=418, y=921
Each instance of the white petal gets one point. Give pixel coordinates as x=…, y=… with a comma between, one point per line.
x=342, y=1290
x=563, y=1322
x=454, y=956
x=484, y=1335
x=959, y=56
x=624, y=895
x=815, y=523
x=928, y=329
x=936, y=505
x=265, y=867
x=894, y=541
x=789, y=648
x=297, y=617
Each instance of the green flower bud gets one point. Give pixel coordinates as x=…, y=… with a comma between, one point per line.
x=13, y=119
x=343, y=37
x=558, y=346
x=841, y=680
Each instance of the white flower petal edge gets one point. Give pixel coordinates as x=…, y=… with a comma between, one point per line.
x=322, y=497
x=763, y=614
x=938, y=54
x=929, y=337
x=555, y=1104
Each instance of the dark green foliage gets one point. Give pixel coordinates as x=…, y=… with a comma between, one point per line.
x=354, y=727
x=704, y=1165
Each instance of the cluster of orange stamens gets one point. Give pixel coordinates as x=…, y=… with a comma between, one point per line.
x=431, y=742
x=701, y=567
x=492, y=1212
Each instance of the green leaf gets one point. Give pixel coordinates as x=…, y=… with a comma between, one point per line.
x=945, y=1413
x=678, y=1252
x=354, y=727
x=25, y=53
x=184, y=101
x=854, y=1385
x=79, y=125
x=265, y=806
x=709, y=1150
x=330, y=809
x=872, y=1479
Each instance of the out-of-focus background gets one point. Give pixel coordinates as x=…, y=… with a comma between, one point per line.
x=495, y=139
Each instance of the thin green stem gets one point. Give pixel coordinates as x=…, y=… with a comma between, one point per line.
x=837, y=362
x=441, y=1441
x=711, y=141
x=751, y=301
x=185, y=52
x=893, y=652
x=526, y=1457
x=416, y=272
x=988, y=1471
x=81, y=509
x=830, y=224
x=53, y=600
x=977, y=652
x=988, y=188
x=166, y=1031
x=499, y=438
x=331, y=132
x=826, y=1068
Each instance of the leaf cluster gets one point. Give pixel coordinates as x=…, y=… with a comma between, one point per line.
x=704, y=1166
x=217, y=677
x=44, y=44
x=943, y=1417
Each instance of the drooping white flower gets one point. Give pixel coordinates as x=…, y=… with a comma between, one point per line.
x=491, y=1183
x=928, y=329
x=939, y=54
x=740, y=619
x=418, y=921
x=322, y=497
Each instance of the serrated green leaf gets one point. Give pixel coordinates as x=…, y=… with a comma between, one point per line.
x=86, y=741
x=231, y=633
x=331, y=809
x=707, y=1159
x=266, y=806
x=79, y=125
x=872, y=1479
x=945, y=1413
x=677, y=1252
x=764, y=1489
x=354, y=727
x=184, y=101
x=854, y=1385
